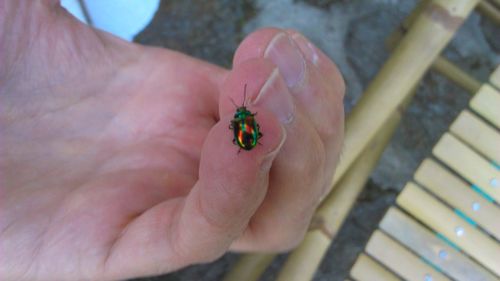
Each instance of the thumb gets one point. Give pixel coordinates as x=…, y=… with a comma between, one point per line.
x=200, y=227
x=230, y=188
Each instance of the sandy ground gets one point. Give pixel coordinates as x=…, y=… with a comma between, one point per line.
x=352, y=33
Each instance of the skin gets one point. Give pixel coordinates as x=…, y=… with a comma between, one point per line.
x=116, y=160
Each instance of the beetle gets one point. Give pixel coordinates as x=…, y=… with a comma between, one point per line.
x=246, y=130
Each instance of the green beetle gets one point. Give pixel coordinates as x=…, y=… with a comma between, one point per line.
x=246, y=130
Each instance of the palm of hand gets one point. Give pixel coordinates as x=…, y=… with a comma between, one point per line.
x=120, y=142
x=117, y=160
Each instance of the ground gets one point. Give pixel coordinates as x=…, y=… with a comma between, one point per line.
x=352, y=33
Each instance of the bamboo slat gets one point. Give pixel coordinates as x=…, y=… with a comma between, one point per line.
x=459, y=195
x=456, y=75
x=397, y=258
x=487, y=103
x=367, y=269
x=468, y=164
x=249, y=267
x=303, y=261
x=482, y=137
x=495, y=77
x=432, y=248
x=393, y=39
x=437, y=216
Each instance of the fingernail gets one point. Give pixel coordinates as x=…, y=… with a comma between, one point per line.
x=307, y=48
x=286, y=55
x=274, y=96
x=267, y=162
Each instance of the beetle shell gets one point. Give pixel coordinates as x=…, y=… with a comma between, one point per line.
x=245, y=128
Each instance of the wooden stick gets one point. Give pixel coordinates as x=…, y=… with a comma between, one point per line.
x=429, y=34
x=457, y=75
x=441, y=64
x=395, y=37
x=305, y=259
x=249, y=267
x=488, y=10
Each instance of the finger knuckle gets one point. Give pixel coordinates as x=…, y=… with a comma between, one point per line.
x=212, y=215
x=331, y=122
x=312, y=168
x=285, y=240
x=269, y=237
x=210, y=255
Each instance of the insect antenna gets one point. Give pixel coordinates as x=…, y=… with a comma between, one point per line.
x=244, y=94
x=231, y=99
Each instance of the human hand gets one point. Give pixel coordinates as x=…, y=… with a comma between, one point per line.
x=117, y=161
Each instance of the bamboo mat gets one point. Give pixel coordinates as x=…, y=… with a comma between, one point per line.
x=446, y=225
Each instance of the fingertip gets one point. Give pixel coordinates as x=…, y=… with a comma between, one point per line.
x=316, y=57
x=255, y=44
